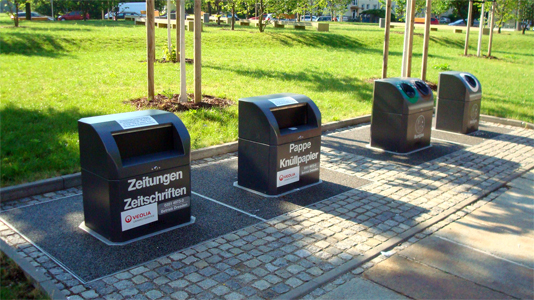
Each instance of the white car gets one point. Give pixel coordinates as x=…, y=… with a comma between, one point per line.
x=109, y=15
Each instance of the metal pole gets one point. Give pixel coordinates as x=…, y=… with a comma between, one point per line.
x=181, y=22
x=198, y=52
x=169, y=41
x=491, y=28
x=481, y=29
x=410, y=45
x=406, y=38
x=426, y=40
x=150, y=47
x=386, y=39
x=469, y=20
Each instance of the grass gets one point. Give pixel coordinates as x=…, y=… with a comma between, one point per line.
x=14, y=284
x=56, y=73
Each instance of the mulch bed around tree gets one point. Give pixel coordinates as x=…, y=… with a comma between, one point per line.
x=163, y=61
x=173, y=104
x=402, y=32
x=482, y=56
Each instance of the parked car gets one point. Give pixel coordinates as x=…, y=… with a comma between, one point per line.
x=444, y=20
x=73, y=15
x=109, y=15
x=122, y=15
x=229, y=16
x=433, y=21
x=345, y=19
x=257, y=18
x=308, y=18
x=463, y=22
x=35, y=16
x=324, y=19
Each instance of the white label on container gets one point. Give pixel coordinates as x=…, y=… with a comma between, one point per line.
x=139, y=216
x=283, y=101
x=137, y=122
x=287, y=176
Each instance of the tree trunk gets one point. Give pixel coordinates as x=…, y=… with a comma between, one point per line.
x=28, y=11
x=233, y=18
x=85, y=11
x=198, y=53
x=16, y=14
x=260, y=17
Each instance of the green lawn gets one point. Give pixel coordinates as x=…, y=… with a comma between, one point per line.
x=56, y=73
x=14, y=284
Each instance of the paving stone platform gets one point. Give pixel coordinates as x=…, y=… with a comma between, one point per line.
x=292, y=254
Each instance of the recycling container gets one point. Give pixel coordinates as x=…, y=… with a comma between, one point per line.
x=401, y=118
x=279, y=143
x=136, y=174
x=458, y=104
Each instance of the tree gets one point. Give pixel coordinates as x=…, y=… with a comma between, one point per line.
x=505, y=11
x=526, y=14
x=338, y=7
x=15, y=6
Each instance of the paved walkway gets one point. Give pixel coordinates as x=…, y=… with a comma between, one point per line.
x=487, y=254
x=293, y=255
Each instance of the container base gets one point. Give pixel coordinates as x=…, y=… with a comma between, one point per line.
x=398, y=153
x=276, y=196
x=110, y=243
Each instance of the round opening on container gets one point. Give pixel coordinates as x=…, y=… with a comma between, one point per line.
x=423, y=88
x=470, y=80
x=408, y=90
x=472, y=83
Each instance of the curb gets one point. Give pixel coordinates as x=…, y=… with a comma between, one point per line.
x=504, y=121
x=309, y=286
x=73, y=180
x=68, y=181
x=38, y=279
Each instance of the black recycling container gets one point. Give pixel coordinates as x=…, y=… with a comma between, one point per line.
x=279, y=143
x=401, y=118
x=136, y=174
x=458, y=102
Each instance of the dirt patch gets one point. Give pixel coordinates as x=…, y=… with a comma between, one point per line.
x=433, y=86
x=214, y=24
x=482, y=56
x=173, y=104
x=163, y=61
x=370, y=80
x=402, y=32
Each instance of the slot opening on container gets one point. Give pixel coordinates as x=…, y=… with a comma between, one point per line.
x=291, y=117
x=148, y=144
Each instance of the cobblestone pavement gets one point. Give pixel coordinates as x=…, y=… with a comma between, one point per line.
x=285, y=253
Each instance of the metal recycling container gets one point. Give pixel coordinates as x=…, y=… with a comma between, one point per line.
x=136, y=173
x=401, y=118
x=279, y=143
x=458, y=102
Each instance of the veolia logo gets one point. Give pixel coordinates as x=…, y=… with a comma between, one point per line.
x=139, y=216
x=129, y=218
x=420, y=124
x=288, y=176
